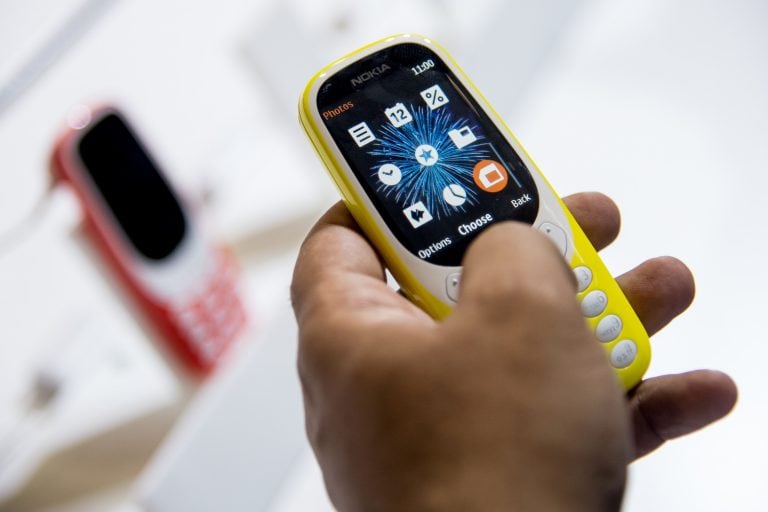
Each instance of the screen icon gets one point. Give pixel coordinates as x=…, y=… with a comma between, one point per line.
x=462, y=137
x=389, y=174
x=417, y=214
x=426, y=155
x=362, y=134
x=434, y=97
x=454, y=195
x=490, y=176
x=398, y=115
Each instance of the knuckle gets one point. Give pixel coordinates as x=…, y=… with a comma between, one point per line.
x=506, y=297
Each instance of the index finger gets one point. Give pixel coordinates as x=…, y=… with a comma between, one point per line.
x=334, y=255
x=341, y=298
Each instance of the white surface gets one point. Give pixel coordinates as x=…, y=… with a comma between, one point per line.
x=24, y=32
x=310, y=34
x=101, y=379
x=239, y=441
x=303, y=490
x=118, y=378
x=662, y=105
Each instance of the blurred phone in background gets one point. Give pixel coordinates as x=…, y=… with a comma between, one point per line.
x=183, y=281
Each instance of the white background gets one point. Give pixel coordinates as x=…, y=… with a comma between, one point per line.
x=662, y=105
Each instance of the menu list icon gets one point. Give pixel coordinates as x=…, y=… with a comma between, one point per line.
x=362, y=134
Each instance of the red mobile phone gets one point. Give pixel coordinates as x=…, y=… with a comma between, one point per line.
x=184, y=282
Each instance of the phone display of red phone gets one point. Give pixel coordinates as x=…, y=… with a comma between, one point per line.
x=185, y=283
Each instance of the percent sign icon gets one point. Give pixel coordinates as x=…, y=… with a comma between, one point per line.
x=434, y=97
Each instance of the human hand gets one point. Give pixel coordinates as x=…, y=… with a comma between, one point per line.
x=507, y=403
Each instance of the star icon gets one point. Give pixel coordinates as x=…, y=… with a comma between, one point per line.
x=426, y=155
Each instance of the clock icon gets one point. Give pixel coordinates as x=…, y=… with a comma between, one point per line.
x=454, y=195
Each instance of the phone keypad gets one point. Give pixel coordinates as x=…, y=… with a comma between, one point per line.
x=212, y=318
x=594, y=303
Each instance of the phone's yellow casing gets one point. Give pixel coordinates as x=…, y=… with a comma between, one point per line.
x=629, y=351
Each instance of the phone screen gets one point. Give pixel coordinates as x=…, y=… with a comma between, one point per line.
x=435, y=166
x=133, y=188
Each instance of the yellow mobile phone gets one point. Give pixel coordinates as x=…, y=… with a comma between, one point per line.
x=425, y=164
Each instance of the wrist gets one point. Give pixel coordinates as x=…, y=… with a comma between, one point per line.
x=530, y=487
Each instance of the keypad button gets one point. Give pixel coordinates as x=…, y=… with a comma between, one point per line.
x=199, y=333
x=623, y=354
x=609, y=328
x=188, y=317
x=452, y=284
x=594, y=303
x=208, y=349
x=220, y=316
x=583, y=277
x=231, y=328
x=556, y=234
x=210, y=301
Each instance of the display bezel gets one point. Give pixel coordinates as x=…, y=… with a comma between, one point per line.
x=336, y=88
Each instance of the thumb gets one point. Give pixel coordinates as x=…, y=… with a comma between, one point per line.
x=511, y=267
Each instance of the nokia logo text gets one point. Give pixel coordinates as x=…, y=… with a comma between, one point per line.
x=373, y=73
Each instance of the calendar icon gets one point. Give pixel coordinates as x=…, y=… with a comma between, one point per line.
x=398, y=115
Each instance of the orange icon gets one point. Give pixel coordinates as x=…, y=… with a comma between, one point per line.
x=490, y=175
